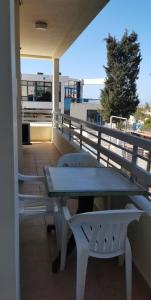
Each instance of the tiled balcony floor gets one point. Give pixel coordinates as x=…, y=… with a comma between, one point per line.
x=105, y=279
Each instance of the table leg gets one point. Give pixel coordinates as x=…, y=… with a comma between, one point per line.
x=50, y=227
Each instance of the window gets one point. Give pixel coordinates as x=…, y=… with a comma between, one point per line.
x=38, y=91
x=44, y=91
x=93, y=116
x=59, y=91
x=24, y=91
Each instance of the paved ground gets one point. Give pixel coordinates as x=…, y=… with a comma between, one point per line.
x=105, y=279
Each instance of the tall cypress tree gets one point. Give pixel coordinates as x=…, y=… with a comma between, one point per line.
x=119, y=96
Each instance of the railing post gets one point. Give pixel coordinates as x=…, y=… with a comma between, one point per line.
x=109, y=146
x=99, y=142
x=62, y=124
x=134, y=160
x=149, y=162
x=57, y=121
x=69, y=130
x=81, y=129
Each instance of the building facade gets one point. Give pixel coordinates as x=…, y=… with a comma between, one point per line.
x=36, y=91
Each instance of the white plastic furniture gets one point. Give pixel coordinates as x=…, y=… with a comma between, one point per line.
x=78, y=160
x=99, y=234
x=35, y=205
x=30, y=178
x=93, y=181
x=71, y=160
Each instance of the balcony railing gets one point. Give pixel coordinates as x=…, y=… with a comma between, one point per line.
x=130, y=154
x=39, y=115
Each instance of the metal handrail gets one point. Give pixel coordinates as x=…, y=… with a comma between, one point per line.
x=111, y=147
x=36, y=115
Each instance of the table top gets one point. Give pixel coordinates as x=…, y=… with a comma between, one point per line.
x=66, y=181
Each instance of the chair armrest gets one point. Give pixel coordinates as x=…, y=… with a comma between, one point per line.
x=66, y=213
x=55, y=205
x=130, y=206
x=38, y=200
x=30, y=178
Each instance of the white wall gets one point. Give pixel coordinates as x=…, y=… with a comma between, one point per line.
x=9, y=229
x=79, y=110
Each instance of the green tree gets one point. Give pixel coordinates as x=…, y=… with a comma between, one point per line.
x=119, y=96
x=140, y=114
x=147, y=107
x=147, y=124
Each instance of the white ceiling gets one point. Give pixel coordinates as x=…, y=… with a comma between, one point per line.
x=66, y=20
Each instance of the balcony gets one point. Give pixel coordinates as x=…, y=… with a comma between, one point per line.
x=105, y=279
x=20, y=36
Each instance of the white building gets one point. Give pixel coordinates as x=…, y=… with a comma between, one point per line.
x=86, y=111
x=36, y=90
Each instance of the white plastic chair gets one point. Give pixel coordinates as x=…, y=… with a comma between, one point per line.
x=35, y=205
x=71, y=160
x=100, y=234
x=78, y=160
x=30, y=178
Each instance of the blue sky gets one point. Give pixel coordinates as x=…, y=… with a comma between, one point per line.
x=87, y=55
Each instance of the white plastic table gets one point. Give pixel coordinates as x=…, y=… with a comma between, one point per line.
x=94, y=182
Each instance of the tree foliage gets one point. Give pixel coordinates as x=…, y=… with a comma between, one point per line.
x=147, y=124
x=141, y=112
x=119, y=96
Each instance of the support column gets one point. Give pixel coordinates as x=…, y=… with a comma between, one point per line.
x=9, y=226
x=55, y=88
x=18, y=74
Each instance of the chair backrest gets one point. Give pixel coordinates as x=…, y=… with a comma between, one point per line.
x=78, y=160
x=34, y=205
x=30, y=178
x=106, y=231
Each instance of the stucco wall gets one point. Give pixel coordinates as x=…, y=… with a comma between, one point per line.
x=63, y=145
x=140, y=238
x=79, y=110
x=139, y=234
x=41, y=132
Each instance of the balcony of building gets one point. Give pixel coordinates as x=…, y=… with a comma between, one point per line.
x=21, y=28
x=105, y=278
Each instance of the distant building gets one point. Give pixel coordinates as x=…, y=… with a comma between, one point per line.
x=36, y=91
x=87, y=110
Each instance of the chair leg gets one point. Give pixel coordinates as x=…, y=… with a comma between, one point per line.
x=121, y=259
x=64, y=241
x=128, y=270
x=82, y=261
x=58, y=227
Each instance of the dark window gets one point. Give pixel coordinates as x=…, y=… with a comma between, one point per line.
x=59, y=91
x=40, y=83
x=31, y=83
x=38, y=91
x=72, y=91
x=93, y=116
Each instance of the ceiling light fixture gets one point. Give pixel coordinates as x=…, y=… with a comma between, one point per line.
x=40, y=25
